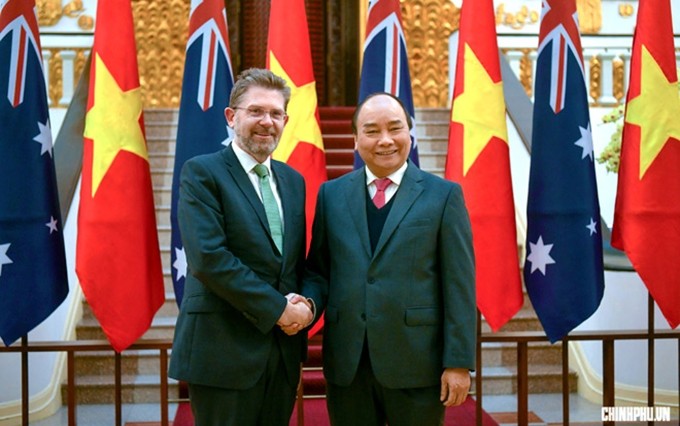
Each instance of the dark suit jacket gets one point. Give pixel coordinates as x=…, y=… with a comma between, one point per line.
x=236, y=279
x=413, y=299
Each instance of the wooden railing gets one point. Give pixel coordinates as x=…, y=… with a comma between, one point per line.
x=607, y=338
x=520, y=339
x=73, y=346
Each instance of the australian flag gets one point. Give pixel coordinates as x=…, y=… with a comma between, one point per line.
x=563, y=269
x=385, y=62
x=202, y=126
x=33, y=280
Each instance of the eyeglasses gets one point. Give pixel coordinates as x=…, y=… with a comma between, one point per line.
x=259, y=113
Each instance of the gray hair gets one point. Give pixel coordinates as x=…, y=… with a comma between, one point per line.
x=258, y=77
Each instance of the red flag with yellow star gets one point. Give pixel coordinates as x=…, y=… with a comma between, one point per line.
x=647, y=211
x=289, y=56
x=117, y=257
x=478, y=158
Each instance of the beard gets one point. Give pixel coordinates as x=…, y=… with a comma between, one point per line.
x=257, y=149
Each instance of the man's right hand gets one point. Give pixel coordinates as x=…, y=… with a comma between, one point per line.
x=296, y=316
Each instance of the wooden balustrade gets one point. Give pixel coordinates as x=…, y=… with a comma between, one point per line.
x=521, y=339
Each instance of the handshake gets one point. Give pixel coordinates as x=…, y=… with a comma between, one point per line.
x=297, y=315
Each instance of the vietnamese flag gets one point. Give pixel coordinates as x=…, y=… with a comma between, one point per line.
x=647, y=211
x=478, y=158
x=117, y=257
x=289, y=56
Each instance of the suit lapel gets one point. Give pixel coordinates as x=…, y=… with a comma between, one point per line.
x=406, y=195
x=245, y=185
x=355, y=198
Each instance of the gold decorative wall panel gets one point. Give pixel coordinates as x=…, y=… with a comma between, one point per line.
x=589, y=16
x=161, y=29
x=56, y=73
x=428, y=24
x=595, y=89
x=50, y=12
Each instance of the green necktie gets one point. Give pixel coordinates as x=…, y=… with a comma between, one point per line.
x=270, y=206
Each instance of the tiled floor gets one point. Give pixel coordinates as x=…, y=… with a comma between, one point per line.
x=546, y=409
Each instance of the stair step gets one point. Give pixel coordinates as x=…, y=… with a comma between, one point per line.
x=314, y=384
x=135, y=389
x=161, y=176
x=161, y=328
x=133, y=362
x=314, y=356
x=161, y=160
x=433, y=115
x=338, y=142
x=165, y=115
x=339, y=157
x=505, y=354
x=162, y=195
x=336, y=127
x=167, y=310
x=337, y=171
x=336, y=112
x=163, y=214
x=160, y=128
x=432, y=129
x=160, y=144
x=542, y=378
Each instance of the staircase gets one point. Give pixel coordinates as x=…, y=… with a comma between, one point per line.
x=141, y=383
x=338, y=142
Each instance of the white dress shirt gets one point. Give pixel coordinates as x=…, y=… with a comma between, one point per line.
x=391, y=189
x=248, y=163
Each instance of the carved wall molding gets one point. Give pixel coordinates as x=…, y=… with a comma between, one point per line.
x=50, y=12
x=161, y=29
x=428, y=24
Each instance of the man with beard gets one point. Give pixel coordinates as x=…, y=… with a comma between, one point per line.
x=242, y=220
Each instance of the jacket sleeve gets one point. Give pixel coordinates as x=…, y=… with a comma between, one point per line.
x=458, y=281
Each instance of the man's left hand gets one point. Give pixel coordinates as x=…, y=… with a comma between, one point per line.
x=455, y=386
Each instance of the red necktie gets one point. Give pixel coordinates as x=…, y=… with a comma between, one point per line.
x=379, y=197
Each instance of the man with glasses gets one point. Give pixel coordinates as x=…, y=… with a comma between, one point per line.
x=242, y=220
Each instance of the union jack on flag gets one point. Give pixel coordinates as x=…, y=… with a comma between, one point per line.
x=385, y=62
x=202, y=126
x=19, y=22
x=563, y=272
x=562, y=34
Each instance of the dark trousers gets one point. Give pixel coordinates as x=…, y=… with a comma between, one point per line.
x=365, y=402
x=269, y=403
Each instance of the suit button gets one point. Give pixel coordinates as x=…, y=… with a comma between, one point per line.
x=363, y=317
x=371, y=280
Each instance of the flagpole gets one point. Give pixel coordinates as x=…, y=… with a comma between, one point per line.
x=565, y=380
x=24, y=380
x=650, y=352
x=478, y=373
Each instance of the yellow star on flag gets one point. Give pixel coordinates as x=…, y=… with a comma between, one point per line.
x=112, y=123
x=480, y=109
x=656, y=110
x=302, y=125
